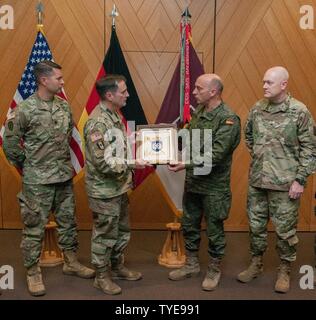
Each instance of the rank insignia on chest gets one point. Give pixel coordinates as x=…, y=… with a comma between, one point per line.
x=100, y=145
x=229, y=121
x=96, y=136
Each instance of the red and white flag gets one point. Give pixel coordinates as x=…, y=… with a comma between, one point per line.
x=177, y=106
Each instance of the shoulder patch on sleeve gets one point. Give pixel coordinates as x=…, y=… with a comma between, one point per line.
x=11, y=115
x=229, y=121
x=96, y=136
x=10, y=125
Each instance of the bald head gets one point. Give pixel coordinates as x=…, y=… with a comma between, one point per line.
x=275, y=82
x=212, y=81
x=208, y=89
x=279, y=73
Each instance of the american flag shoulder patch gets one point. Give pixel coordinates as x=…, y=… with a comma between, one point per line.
x=96, y=136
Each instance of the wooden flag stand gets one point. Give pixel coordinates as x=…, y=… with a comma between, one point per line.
x=51, y=255
x=173, y=255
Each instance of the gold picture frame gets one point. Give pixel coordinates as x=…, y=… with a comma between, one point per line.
x=157, y=143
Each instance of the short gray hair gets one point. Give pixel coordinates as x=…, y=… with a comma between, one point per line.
x=218, y=84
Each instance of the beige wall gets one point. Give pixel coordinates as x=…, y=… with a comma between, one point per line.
x=252, y=35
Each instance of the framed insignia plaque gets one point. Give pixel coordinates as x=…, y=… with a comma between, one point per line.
x=157, y=143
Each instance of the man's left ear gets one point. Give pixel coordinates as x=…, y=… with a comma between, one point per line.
x=42, y=80
x=284, y=84
x=109, y=95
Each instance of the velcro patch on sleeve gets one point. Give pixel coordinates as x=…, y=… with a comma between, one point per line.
x=11, y=115
x=229, y=121
x=96, y=136
x=10, y=125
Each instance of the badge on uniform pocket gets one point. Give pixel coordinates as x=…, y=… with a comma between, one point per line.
x=100, y=145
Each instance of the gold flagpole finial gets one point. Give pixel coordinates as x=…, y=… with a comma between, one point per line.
x=39, y=10
x=186, y=16
x=114, y=14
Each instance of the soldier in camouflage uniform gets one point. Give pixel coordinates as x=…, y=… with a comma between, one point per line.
x=280, y=138
x=208, y=192
x=44, y=123
x=108, y=179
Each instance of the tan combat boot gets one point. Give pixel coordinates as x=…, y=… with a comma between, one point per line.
x=282, y=284
x=255, y=268
x=73, y=267
x=104, y=282
x=34, y=280
x=119, y=271
x=213, y=275
x=190, y=269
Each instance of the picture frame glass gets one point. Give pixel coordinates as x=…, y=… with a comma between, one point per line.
x=157, y=144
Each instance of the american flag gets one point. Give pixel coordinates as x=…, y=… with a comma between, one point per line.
x=27, y=87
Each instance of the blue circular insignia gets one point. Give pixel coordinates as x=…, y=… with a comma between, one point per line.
x=156, y=145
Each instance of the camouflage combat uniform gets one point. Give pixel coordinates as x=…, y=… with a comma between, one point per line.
x=108, y=178
x=281, y=141
x=210, y=194
x=44, y=157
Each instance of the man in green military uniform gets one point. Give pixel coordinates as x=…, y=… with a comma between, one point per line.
x=280, y=138
x=44, y=123
x=108, y=179
x=207, y=182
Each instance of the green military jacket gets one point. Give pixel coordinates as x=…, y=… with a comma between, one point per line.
x=106, y=147
x=36, y=140
x=225, y=135
x=281, y=141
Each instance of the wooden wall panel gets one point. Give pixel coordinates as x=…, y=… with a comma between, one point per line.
x=251, y=35
x=1, y=217
x=149, y=36
x=10, y=187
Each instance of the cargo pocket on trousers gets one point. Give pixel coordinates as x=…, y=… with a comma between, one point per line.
x=105, y=206
x=221, y=206
x=30, y=213
x=293, y=240
x=105, y=213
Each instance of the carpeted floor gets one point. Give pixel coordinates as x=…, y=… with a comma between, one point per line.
x=142, y=253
